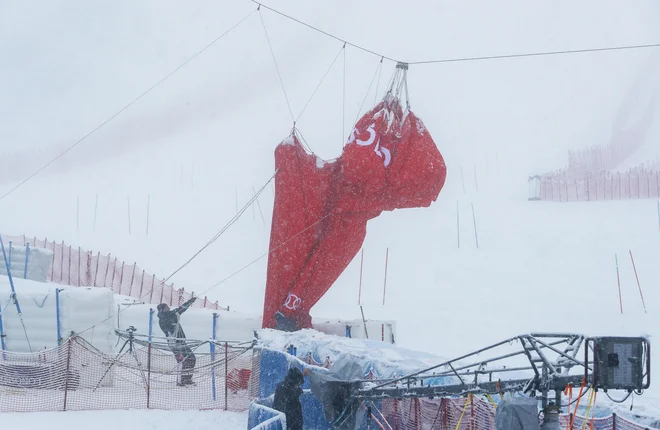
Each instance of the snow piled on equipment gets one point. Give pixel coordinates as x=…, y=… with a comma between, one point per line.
x=377, y=359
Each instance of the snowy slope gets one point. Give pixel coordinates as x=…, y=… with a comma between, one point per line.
x=205, y=138
x=111, y=420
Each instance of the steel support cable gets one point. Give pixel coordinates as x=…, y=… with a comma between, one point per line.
x=378, y=69
x=343, y=48
x=267, y=253
x=462, y=59
x=120, y=111
x=225, y=228
x=537, y=54
x=322, y=32
x=343, y=103
x=230, y=276
x=277, y=68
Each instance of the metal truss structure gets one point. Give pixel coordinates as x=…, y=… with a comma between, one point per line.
x=530, y=363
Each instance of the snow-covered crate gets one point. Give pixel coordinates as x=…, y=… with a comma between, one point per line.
x=26, y=262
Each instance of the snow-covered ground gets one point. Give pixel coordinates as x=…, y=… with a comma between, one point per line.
x=197, y=145
x=133, y=419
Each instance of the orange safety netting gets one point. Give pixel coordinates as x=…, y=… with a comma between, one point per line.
x=76, y=267
x=77, y=376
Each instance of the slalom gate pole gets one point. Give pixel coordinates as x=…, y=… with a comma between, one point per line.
x=57, y=316
x=458, y=226
x=128, y=202
x=364, y=321
x=360, y=287
x=474, y=221
x=637, y=278
x=151, y=325
x=96, y=206
x=27, y=258
x=212, y=344
x=618, y=281
x=11, y=248
x=476, y=184
x=148, y=209
x=387, y=254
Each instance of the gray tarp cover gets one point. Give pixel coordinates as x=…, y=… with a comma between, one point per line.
x=518, y=413
x=333, y=388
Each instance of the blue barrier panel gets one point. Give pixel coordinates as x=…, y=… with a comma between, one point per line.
x=274, y=367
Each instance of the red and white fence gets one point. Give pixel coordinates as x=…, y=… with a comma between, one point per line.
x=470, y=413
x=76, y=267
x=638, y=183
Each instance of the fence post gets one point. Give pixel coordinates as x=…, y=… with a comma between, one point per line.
x=57, y=316
x=121, y=277
x=114, y=270
x=88, y=269
x=153, y=282
x=27, y=259
x=52, y=264
x=151, y=324
x=613, y=421
x=79, y=274
x=141, y=285
x=69, y=274
x=96, y=272
x=471, y=411
x=68, y=365
x=226, y=371
x=215, y=319
x=130, y=289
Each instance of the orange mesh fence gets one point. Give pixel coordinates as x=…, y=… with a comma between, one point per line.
x=76, y=376
x=468, y=414
x=79, y=268
x=638, y=183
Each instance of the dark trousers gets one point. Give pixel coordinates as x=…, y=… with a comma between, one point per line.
x=187, y=361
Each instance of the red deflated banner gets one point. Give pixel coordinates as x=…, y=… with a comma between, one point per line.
x=321, y=208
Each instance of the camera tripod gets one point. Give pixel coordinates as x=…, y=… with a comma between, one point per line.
x=129, y=341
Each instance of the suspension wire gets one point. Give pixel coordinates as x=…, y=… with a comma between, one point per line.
x=378, y=69
x=343, y=103
x=319, y=85
x=102, y=124
x=322, y=32
x=225, y=228
x=230, y=276
x=463, y=59
x=537, y=54
x=277, y=68
x=267, y=253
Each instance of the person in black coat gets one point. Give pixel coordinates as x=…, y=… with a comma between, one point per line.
x=287, y=398
x=170, y=322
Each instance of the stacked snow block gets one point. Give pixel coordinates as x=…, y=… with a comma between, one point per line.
x=27, y=262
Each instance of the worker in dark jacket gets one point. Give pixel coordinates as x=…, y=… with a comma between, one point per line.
x=287, y=398
x=170, y=322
